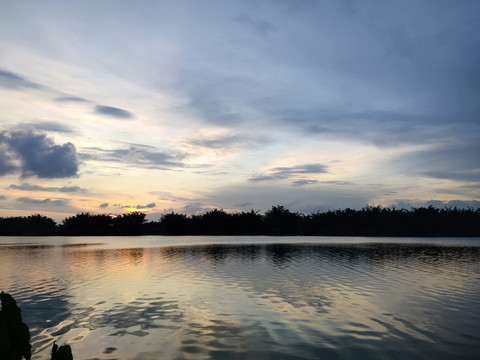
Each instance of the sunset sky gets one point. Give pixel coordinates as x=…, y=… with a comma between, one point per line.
x=185, y=106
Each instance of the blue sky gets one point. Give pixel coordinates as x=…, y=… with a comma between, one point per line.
x=158, y=106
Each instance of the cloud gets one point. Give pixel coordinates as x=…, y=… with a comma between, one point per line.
x=216, y=142
x=292, y=172
x=303, y=182
x=194, y=208
x=103, y=206
x=228, y=142
x=439, y=204
x=378, y=127
x=70, y=99
x=148, y=206
x=13, y=81
x=3, y=197
x=47, y=201
x=459, y=162
x=262, y=196
x=244, y=204
x=262, y=27
x=139, y=156
x=113, y=112
x=64, y=189
x=51, y=126
x=35, y=154
x=6, y=162
x=460, y=204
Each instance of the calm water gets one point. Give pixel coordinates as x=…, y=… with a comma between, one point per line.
x=247, y=297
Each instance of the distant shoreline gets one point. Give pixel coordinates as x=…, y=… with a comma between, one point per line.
x=278, y=221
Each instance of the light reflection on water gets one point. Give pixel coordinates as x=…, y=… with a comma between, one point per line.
x=183, y=298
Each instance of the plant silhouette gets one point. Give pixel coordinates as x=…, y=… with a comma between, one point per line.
x=63, y=352
x=15, y=335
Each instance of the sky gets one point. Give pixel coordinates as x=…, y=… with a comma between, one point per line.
x=186, y=106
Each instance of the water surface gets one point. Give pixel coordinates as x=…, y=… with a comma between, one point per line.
x=247, y=297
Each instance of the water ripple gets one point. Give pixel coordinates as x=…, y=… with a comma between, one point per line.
x=290, y=301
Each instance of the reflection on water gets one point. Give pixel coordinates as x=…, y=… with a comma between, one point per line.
x=282, y=301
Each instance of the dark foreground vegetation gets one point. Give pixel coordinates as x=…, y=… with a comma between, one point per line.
x=370, y=221
x=15, y=334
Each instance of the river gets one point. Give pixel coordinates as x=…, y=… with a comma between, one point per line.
x=160, y=297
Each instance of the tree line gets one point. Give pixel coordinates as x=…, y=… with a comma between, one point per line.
x=369, y=221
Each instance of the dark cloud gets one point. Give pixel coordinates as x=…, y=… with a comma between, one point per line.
x=459, y=162
x=244, y=204
x=64, y=189
x=103, y=206
x=113, y=112
x=13, y=81
x=147, y=157
x=291, y=172
x=48, y=201
x=2, y=197
x=303, y=182
x=70, y=99
x=148, y=206
x=195, y=208
x=381, y=128
x=36, y=155
x=6, y=161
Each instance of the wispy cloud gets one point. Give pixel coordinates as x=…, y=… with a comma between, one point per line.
x=50, y=126
x=13, y=81
x=291, y=172
x=72, y=99
x=47, y=201
x=147, y=157
x=63, y=189
x=113, y=112
x=228, y=142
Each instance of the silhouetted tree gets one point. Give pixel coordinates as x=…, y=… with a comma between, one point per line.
x=37, y=225
x=369, y=221
x=217, y=222
x=173, y=224
x=248, y=223
x=129, y=224
x=280, y=221
x=86, y=224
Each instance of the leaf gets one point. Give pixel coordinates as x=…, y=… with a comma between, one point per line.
x=64, y=352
